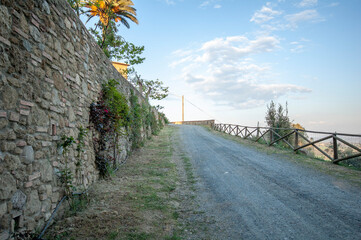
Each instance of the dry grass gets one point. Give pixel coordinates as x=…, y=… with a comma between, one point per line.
x=137, y=203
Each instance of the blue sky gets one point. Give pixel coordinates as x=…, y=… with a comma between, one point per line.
x=230, y=58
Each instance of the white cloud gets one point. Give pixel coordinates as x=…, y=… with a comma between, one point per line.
x=310, y=15
x=334, y=4
x=298, y=49
x=204, y=4
x=221, y=70
x=169, y=2
x=298, y=46
x=307, y=3
x=265, y=14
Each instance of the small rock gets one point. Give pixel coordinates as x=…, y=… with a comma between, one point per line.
x=28, y=154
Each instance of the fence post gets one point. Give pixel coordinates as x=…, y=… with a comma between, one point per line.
x=271, y=135
x=296, y=138
x=245, y=133
x=335, y=150
x=257, y=130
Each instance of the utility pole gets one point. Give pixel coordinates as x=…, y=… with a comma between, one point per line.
x=182, y=108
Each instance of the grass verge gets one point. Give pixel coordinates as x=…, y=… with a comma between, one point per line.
x=139, y=202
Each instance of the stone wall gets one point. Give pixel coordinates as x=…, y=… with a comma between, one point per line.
x=51, y=70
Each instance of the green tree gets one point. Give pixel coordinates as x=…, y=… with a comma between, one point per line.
x=153, y=89
x=110, y=12
x=278, y=119
x=76, y=5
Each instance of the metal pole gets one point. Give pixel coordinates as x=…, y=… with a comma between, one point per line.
x=182, y=108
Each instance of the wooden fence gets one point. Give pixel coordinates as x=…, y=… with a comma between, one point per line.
x=296, y=139
x=197, y=122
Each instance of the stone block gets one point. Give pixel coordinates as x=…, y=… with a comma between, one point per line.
x=33, y=204
x=7, y=146
x=5, y=41
x=15, y=213
x=49, y=80
x=28, y=155
x=18, y=200
x=12, y=163
x=56, y=109
x=39, y=117
x=3, y=114
x=55, y=197
x=4, y=235
x=43, y=197
x=34, y=32
x=11, y=135
x=3, y=123
x=41, y=129
x=21, y=33
x=20, y=143
x=34, y=176
x=35, y=58
x=28, y=184
x=14, y=82
x=5, y=19
x=45, y=206
x=3, y=208
x=36, y=23
x=14, y=117
x=45, y=54
x=45, y=143
x=27, y=45
x=49, y=189
x=24, y=112
x=18, y=151
x=8, y=186
x=26, y=103
x=39, y=155
x=47, y=216
x=9, y=97
x=46, y=171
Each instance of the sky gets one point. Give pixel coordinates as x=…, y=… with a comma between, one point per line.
x=230, y=58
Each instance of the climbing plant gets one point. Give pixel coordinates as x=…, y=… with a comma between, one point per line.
x=109, y=118
x=66, y=176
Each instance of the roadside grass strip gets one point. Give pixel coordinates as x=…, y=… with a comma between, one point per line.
x=139, y=202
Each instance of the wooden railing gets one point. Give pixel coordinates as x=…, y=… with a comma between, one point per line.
x=197, y=122
x=296, y=139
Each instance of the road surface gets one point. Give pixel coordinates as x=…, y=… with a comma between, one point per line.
x=255, y=195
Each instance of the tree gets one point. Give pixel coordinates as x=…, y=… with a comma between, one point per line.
x=278, y=119
x=76, y=5
x=153, y=89
x=111, y=12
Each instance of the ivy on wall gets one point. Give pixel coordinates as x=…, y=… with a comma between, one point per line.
x=109, y=118
x=112, y=117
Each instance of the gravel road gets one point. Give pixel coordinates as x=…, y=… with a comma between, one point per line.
x=255, y=195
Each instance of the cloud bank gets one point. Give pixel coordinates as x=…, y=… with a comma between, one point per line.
x=222, y=70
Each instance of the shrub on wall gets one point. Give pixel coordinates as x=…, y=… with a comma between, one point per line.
x=109, y=118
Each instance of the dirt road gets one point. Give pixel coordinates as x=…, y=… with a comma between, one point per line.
x=255, y=195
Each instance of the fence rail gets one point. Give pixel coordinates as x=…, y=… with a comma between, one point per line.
x=298, y=140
